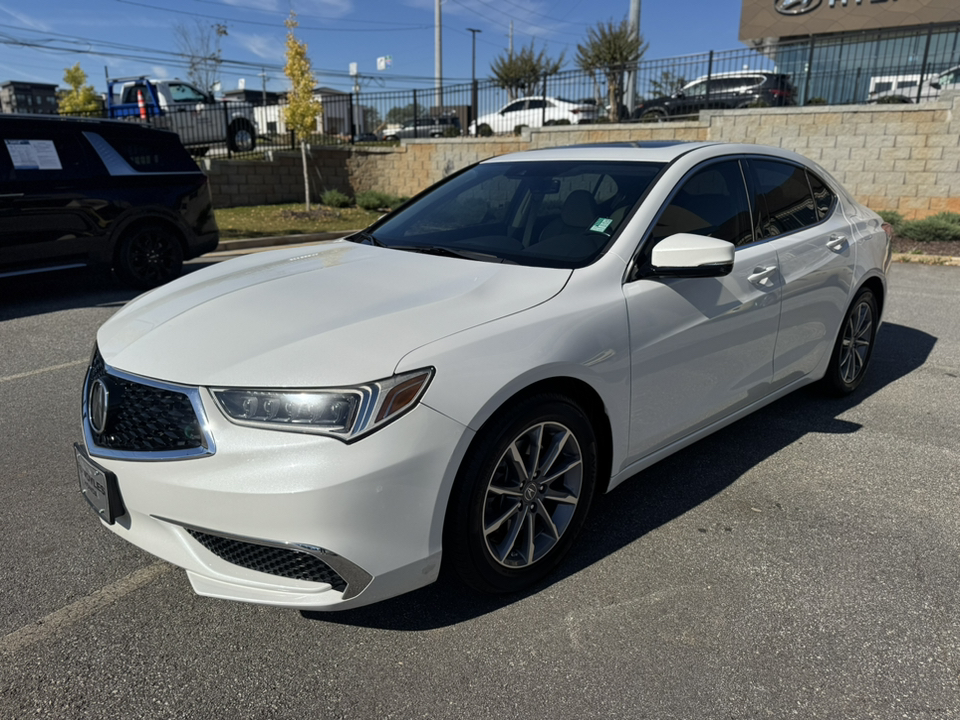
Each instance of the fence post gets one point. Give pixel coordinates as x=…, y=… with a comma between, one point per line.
x=809, y=71
x=353, y=125
x=923, y=67
x=474, y=110
x=226, y=128
x=543, y=110
x=709, y=78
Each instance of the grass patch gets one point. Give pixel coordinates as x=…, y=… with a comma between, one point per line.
x=289, y=219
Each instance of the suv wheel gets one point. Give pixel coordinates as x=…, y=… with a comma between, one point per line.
x=148, y=256
x=241, y=137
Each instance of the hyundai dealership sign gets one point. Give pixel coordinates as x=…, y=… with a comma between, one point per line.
x=791, y=18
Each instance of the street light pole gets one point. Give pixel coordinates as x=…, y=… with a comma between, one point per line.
x=473, y=76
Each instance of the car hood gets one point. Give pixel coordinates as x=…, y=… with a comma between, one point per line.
x=335, y=314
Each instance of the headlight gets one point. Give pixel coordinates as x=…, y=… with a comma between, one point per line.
x=346, y=413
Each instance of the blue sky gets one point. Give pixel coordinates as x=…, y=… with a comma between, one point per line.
x=134, y=37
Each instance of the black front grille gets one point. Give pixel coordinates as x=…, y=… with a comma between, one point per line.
x=271, y=560
x=144, y=418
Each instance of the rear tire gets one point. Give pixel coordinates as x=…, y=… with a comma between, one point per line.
x=653, y=115
x=241, y=137
x=854, y=346
x=522, y=494
x=148, y=256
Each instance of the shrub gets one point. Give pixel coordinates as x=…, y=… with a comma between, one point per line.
x=817, y=101
x=373, y=200
x=451, y=131
x=561, y=121
x=943, y=227
x=485, y=130
x=894, y=100
x=335, y=198
x=518, y=130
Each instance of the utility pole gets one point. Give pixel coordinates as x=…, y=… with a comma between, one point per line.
x=474, y=111
x=438, y=57
x=631, y=97
x=511, y=39
x=263, y=77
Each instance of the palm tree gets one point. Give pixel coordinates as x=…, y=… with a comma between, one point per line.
x=611, y=49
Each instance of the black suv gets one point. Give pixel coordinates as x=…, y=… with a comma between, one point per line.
x=77, y=192
x=719, y=92
x=427, y=127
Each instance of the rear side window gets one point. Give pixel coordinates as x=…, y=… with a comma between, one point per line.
x=46, y=153
x=783, y=199
x=144, y=151
x=823, y=196
x=711, y=202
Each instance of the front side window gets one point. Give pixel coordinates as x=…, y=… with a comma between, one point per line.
x=546, y=214
x=711, y=202
x=184, y=93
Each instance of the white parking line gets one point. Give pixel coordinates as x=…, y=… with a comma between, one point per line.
x=65, y=617
x=43, y=370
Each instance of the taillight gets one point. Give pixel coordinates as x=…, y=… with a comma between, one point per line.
x=888, y=229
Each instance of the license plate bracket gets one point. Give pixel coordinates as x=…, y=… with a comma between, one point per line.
x=100, y=488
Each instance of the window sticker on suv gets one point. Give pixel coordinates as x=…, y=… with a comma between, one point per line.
x=33, y=154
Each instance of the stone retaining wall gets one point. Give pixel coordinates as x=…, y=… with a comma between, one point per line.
x=891, y=157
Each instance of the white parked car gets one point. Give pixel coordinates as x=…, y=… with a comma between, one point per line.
x=535, y=112
x=323, y=428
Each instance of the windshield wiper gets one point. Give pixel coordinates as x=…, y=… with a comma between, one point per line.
x=450, y=252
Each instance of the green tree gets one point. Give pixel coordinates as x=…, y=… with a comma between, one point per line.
x=80, y=99
x=611, y=49
x=302, y=106
x=523, y=71
x=400, y=114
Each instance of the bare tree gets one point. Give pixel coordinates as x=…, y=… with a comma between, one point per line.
x=199, y=43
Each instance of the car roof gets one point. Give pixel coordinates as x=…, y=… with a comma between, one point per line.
x=654, y=151
x=29, y=118
x=664, y=151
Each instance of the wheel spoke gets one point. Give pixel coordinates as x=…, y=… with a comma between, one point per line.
x=530, y=520
x=516, y=458
x=505, y=491
x=559, y=496
x=535, y=447
x=563, y=470
x=508, y=542
x=556, y=447
x=496, y=524
x=547, y=520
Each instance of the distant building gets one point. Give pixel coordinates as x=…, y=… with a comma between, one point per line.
x=841, y=50
x=27, y=97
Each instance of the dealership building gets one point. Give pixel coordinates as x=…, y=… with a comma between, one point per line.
x=854, y=51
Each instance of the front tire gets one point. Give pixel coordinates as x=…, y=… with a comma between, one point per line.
x=522, y=494
x=148, y=256
x=854, y=346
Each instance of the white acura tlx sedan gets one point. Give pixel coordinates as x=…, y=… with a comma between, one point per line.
x=324, y=427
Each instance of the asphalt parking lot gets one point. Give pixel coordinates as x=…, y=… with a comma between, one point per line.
x=800, y=563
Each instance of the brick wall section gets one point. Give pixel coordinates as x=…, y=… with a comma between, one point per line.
x=891, y=157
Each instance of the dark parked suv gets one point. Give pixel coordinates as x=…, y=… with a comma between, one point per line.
x=427, y=127
x=77, y=192
x=721, y=91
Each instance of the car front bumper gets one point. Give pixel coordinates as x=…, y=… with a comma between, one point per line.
x=372, y=510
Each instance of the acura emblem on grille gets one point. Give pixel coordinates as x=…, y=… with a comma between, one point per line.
x=98, y=404
x=795, y=7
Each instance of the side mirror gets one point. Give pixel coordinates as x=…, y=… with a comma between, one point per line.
x=688, y=255
x=935, y=84
x=679, y=94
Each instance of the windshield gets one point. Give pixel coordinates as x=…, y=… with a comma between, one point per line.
x=549, y=214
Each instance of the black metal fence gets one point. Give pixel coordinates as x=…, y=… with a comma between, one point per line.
x=878, y=66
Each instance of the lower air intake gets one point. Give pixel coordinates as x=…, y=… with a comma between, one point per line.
x=271, y=560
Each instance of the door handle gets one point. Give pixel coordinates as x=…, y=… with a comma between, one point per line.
x=837, y=242
x=762, y=275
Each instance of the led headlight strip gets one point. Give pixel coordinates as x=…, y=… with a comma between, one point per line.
x=347, y=413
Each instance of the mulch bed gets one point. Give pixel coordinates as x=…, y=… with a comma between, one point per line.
x=944, y=249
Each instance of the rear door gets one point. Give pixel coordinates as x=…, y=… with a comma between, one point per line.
x=49, y=213
x=799, y=213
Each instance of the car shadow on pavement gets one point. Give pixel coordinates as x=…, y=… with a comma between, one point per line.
x=41, y=293
x=664, y=491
